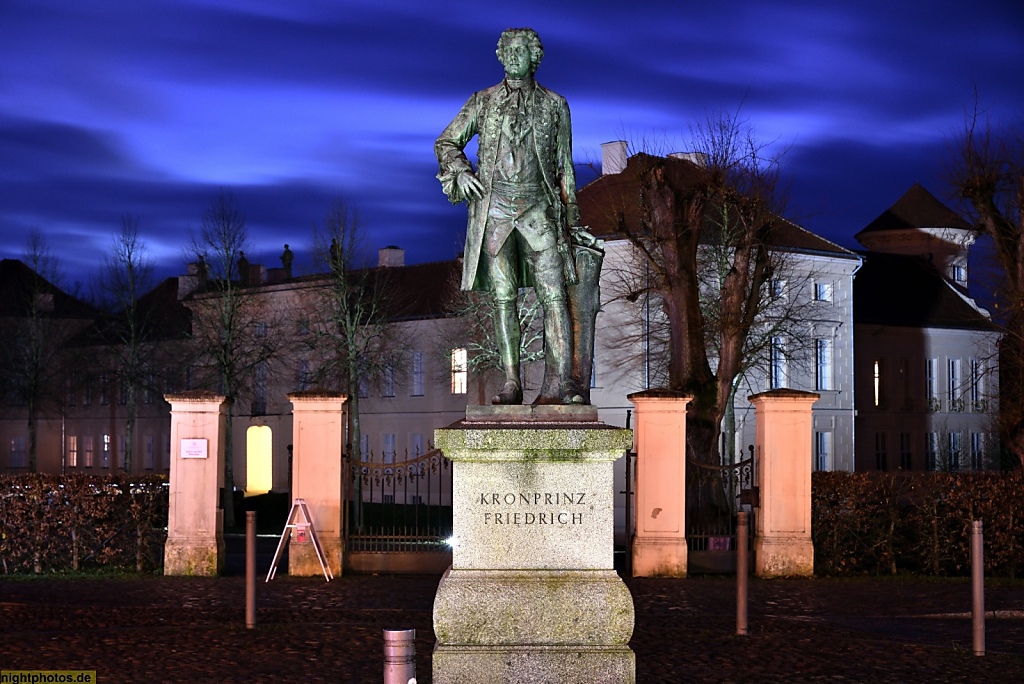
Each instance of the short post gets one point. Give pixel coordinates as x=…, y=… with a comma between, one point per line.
x=978, y=587
x=250, y=569
x=741, y=572
x=399, y=656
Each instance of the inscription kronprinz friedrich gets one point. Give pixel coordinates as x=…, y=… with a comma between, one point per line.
x=554, y=507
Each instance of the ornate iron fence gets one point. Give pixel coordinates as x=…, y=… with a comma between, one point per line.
x=399, y=507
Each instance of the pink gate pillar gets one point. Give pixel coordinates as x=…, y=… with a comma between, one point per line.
x=195, y=520
x=318, y=432
x=782, y=547
x=659, y=545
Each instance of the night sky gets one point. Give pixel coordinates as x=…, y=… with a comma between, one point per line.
x=150, y=107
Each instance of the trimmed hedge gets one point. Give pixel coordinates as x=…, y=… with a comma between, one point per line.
x=889, y=523
x=76, y=522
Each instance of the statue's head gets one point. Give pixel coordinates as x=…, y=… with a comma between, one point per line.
x=519, y=51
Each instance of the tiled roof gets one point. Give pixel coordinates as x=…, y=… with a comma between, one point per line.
x=611, y=203
x=917, y=208
x=907, y=291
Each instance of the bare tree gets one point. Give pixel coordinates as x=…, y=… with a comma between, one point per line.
x=236, y=333
x=988, y=173
x=126, y=277
x=39, y=319
x=351, y=340
x=704, y=235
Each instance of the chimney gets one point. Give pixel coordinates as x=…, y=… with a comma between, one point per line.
x=390, y=257
x=613, y=157
x=695, y=158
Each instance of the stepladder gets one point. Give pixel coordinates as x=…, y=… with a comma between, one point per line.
x=299, y=526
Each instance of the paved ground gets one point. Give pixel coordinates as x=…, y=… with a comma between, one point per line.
x=157, y=629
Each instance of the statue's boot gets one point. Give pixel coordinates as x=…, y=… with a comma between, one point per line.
x=558, y=355
x=507, y=330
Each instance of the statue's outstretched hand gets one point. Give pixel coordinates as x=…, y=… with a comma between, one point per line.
x=470, y=186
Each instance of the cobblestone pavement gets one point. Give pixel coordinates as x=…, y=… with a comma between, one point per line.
x=156, y=629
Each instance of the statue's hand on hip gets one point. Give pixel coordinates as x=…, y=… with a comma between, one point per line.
x=470, y=186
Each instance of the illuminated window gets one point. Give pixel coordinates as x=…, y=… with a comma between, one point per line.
x=73, y=451
x=459, y=371
x=878, y=382
x=105, y=462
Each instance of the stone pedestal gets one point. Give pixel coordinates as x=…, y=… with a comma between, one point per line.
x=317, y=437
x=659, y=546
x=782, y=545
x=532, y=594
x=195, y=520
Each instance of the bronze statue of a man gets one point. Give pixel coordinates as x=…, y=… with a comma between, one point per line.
x=522, y=206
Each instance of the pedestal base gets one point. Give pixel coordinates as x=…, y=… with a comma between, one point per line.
x=194, y=557
x=783, y=557
x=533, y=665
x=655, y=557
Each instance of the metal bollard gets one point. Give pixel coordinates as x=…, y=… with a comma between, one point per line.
x=978, y=587
x=250, y=569
x=399, y=656
x=741, y=572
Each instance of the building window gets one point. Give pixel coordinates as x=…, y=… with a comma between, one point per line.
x=90, y=457
x=259, y=394
x=878, y=382
x=823, y=451
x=388, y=379
x=364, y=386
x=955, y=450
x=417, y=444
x=977, y=396
x=122, y=391
x=823, y=292
x=364, y=447
x=105, y=456
x=71, y=390
x=150, y=457
x=87, y=391
x=776, y=363
x=119, y=456
x=72, y=451
x=459, y=371
x=954, y=390
x=150, y=395
x=977, y=451
x=823, y=358
x=881, y=454
x=931, y=383
x=417, y=374
x=906, y=458
x=960, y=274
x=389, y=447
x=931, y=450
x=777, y=289
x=18, y=455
